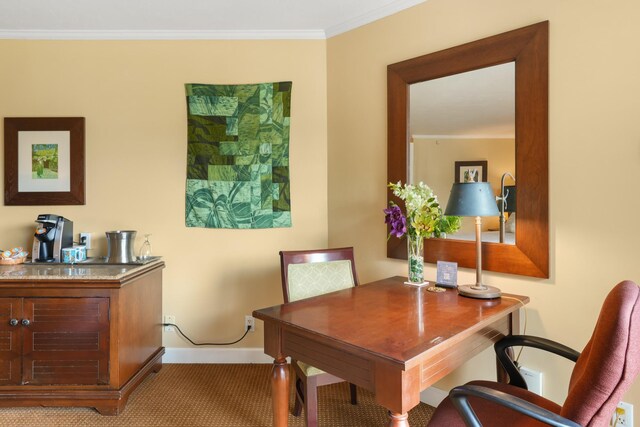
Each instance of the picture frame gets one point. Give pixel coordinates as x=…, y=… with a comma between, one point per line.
x=44, y=161
x=463, y=166
x=447, y=274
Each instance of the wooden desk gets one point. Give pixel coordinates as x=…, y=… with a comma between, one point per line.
x=387, y=337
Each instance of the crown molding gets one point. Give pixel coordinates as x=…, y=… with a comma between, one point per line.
x=374, y=15
x=313, y=34
x=162, y=35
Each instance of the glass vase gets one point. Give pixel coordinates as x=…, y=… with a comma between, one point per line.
x=415, y=256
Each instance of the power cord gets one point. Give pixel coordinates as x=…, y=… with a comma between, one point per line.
x=207, y=343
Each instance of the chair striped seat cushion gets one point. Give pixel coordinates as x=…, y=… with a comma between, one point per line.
x=309, y=370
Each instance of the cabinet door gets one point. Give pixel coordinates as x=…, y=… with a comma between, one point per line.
x=10, y=351
x=66, y=341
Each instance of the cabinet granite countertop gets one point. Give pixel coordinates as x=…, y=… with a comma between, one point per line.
x=33, y=272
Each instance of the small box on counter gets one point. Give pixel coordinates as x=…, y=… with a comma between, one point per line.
x=81, y=252
x=76, y=253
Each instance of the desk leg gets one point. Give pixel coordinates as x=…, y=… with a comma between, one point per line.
x=398, y=420
x=280, y=392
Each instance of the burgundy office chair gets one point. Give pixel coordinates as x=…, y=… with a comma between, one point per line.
x=603, y=372
x=306, y=274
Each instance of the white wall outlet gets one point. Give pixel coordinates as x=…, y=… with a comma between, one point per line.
x=85, y=239
x=169, y=319
x=622, y=416
x=249, y=323
x=533, y=380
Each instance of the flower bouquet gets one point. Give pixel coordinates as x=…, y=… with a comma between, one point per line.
x=423, y=219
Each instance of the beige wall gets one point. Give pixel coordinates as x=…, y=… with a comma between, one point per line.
x=132, y=96
x=594, y=154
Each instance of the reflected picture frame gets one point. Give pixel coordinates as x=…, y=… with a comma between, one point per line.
x=461, y=167
x=44, y=161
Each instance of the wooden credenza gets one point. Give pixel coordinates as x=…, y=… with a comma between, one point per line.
x=85, y=335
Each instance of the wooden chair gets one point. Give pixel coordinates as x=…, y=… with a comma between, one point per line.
x=306, y=274
x=603, y=372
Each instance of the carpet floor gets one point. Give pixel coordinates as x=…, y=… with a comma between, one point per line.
x=213, y=395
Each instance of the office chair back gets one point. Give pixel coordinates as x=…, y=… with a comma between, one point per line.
x=609, y=362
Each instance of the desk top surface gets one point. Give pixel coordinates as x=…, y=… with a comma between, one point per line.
x=391, y=319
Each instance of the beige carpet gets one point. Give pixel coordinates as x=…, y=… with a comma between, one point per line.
x=212, y=395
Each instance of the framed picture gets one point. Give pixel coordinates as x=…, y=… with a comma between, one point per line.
x=44, y=161
x=471, y=171
x=447, y=274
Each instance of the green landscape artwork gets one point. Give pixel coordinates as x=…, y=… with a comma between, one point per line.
x=44, y=161
x=238, y=155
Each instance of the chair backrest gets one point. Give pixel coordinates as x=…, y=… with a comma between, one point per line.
x=609, y=362
x=315, y=272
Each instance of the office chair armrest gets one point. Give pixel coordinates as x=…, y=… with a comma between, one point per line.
x=515, y=378
x=460, y=395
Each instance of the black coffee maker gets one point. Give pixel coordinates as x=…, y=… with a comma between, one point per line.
x=53, y=233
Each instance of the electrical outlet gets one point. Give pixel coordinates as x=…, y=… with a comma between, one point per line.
x=249, y=323
x=169, y=319
x=85, y=239
x=622, y=416
x=533, y=379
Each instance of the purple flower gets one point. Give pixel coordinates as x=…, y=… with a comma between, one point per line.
x=394, y=217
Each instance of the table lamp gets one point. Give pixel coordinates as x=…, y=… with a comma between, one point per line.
x=507, y=202
x=474, y=199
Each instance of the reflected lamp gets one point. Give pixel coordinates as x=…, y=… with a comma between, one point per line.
x=475, y=199
x=507, y=202
x=510, y=198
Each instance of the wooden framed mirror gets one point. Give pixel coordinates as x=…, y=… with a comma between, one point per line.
x=528, y=48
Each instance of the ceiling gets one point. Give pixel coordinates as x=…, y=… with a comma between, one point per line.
x=189, y=19
x=475, y=104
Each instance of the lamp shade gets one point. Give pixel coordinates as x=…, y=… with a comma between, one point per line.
x=472, y=199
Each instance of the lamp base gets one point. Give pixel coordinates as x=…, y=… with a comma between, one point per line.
x=484, y=292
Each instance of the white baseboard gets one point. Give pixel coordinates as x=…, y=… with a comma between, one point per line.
x=431, y=396
x=215, y=355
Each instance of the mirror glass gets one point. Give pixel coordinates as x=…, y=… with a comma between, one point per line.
x=461, y=122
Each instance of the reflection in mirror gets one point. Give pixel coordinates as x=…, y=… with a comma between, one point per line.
x=465, y=117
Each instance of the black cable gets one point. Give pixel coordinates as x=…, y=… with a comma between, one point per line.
x=207, y=343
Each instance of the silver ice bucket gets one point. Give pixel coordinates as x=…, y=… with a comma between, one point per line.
x=120, y=246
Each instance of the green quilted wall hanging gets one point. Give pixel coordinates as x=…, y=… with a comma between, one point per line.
x=238, y=155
